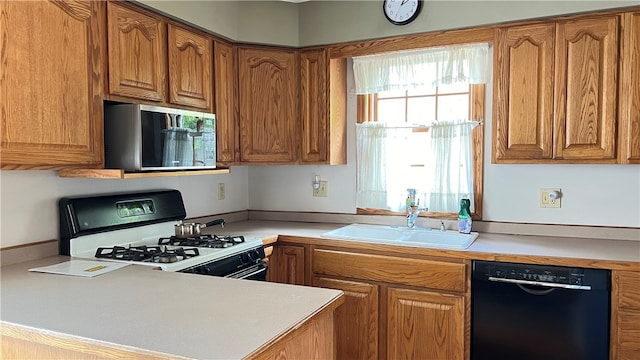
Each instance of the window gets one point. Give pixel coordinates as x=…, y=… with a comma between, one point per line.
x=416, y=131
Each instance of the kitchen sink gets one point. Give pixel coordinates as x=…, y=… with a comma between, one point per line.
x=399, y=235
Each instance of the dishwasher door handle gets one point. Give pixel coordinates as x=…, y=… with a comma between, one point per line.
x=540, y=283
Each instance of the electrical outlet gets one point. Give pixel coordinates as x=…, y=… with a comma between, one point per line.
x=321, y=191
x=221, y=191
x=547, y=201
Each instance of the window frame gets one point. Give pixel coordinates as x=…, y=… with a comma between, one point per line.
x=477, y=101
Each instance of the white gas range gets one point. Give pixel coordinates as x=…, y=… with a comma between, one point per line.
x=139, y=228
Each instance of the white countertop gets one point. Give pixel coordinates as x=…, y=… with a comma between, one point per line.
x=486, y=243
x=194, y=316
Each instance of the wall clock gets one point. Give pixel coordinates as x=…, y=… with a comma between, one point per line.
x=401, y=12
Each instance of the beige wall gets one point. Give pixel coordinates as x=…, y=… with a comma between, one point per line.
x=605, y=195
x=263, y=22
x=326, y=22
x=319, y=22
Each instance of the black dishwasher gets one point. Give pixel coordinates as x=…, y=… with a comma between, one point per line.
x=526, y=312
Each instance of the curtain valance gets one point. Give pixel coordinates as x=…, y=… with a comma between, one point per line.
x=404, y=70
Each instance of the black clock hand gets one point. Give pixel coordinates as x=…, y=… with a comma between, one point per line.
x=403, y=2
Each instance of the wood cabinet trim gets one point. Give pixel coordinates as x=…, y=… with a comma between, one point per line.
x=629, y=89
x=225, y=105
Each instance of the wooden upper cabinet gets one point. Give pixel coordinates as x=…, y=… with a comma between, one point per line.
x=137, y=54
x=313, y=105
x=629, y=93
x=224, y=84
x=51, y=87
x=556, y=92
x=152, y=59
x=586, y=88
x=189, y=68
x=267, y=96
x=322, y=108
x=523, y=92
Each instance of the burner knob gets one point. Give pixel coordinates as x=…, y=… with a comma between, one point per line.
x=245, y=258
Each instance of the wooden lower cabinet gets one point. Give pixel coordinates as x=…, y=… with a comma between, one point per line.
x=625, y=315
x=396, y=307
x=356, y=320
x=424, y=325
x=287, y=265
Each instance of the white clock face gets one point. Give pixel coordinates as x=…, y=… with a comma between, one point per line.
x=401, y=12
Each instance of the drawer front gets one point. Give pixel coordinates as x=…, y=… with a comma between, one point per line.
x=408, y=271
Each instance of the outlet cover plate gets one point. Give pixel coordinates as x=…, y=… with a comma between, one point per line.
x=546, y=202
x=321, y=191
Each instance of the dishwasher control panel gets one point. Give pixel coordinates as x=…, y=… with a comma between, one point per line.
x=538, y=273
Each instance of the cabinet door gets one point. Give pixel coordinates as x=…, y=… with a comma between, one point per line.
x=267, y=92
x=630, y=89
x=523, y=100
x=625, y=315
x=287, y=265
x=137, y=54
x=314, y=105
x=586, y=89
x=189, y=68
x=51, y=87
x=322, y=108
x=424, y=325
x=224, y=80
x=356, y=319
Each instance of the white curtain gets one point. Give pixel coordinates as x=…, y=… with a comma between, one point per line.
x=387, y=158
x=404, y=70
x=377, y=166
x=451, y=165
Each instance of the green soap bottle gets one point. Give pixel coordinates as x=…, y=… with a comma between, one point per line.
x=464, y=217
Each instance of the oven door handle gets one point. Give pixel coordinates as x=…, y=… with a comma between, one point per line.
x=540, y=283
x=261, y=267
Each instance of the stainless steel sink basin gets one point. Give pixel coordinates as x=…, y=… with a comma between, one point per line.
x=423, y=237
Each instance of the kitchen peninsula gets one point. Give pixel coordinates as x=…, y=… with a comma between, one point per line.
x=140, y=312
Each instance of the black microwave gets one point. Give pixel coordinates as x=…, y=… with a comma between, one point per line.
x=152, y=138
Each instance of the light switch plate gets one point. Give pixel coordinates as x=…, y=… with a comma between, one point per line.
x=221, y=191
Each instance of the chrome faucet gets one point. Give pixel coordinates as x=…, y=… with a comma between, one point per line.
x=412, y=215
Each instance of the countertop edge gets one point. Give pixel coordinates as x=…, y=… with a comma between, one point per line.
x=71, y=342
x=329, y=307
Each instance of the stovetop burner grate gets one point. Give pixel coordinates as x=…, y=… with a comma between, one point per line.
x=206, y=240
x=144, y=253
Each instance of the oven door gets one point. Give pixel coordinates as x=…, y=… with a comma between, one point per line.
x=254, y=272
